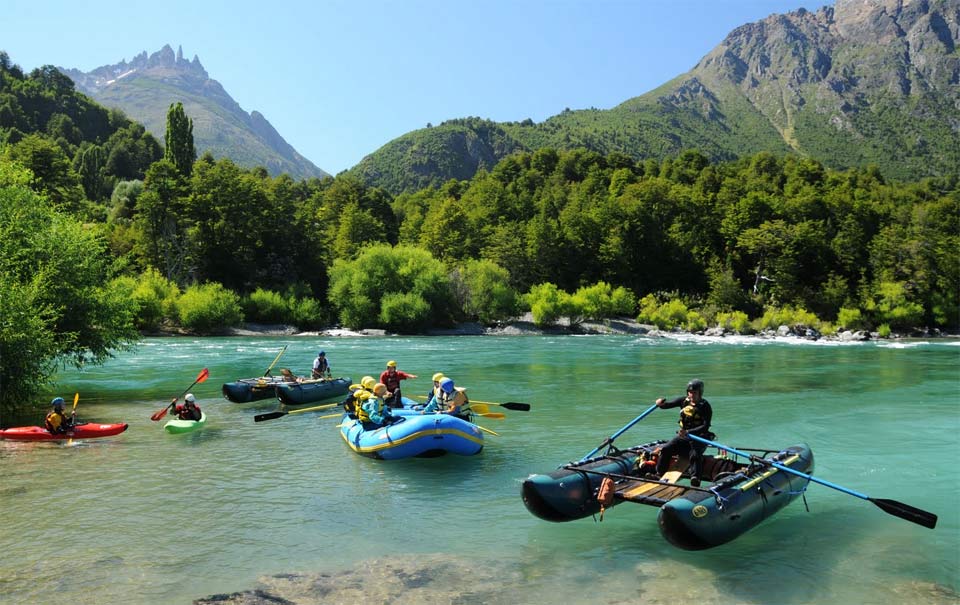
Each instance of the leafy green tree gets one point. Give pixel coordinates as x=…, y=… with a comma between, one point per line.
x=366, y=291
x=485, y=293
x=179, y=147
x=57, y=302
x=161, y=218
x=209, y=308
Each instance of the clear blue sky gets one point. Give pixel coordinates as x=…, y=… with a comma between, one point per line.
x=338, y=79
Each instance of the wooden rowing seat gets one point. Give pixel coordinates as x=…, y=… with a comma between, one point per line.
x=648, y=492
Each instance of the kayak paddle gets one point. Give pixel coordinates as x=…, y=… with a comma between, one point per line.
x=73, y=418
x=892, y=507
x=204, y=374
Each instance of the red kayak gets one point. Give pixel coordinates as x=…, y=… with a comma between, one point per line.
x=86, y=430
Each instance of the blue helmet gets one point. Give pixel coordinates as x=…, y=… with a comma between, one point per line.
x=321, y=353
x=446, y=385
x=57, y=403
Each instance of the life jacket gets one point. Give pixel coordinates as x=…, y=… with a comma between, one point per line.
x=360, y=398
x=455, y=403
x=184, y=413
x=56, y=422
x=691, y=416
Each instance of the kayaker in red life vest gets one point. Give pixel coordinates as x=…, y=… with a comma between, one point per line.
x=189, y=410
x=391, y=377
x=695, y=418
x=57, y=422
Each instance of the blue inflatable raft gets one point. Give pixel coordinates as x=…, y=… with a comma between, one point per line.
x=416, y=434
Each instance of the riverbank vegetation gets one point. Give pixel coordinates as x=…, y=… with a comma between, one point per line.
x=105, y=234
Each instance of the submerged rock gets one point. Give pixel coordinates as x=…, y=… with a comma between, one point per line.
x=428, y=579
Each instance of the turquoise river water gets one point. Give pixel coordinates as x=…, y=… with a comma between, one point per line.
x=283, y=509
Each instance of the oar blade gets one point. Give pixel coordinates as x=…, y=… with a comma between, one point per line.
x=202, y=377
x=494, y=415
x=518, y=406
x=268, y=416
x=905, y=511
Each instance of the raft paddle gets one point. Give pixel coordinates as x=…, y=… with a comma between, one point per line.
x=203, y=375
x=610, y=439
x=510, y=405
x=486, y=430
x=275, y=360
x=518, y=406
x=272, y=415
x=892, y=507
x=494, y=415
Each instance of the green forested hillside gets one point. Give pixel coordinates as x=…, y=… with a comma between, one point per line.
x=857, y=84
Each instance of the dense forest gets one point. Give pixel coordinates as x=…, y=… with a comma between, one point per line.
x=107, y=234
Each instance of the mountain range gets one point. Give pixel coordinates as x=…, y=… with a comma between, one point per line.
x=858, y=83
x=861, y=82
x=145, y=87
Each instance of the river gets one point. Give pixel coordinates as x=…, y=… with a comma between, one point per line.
x=245, y=512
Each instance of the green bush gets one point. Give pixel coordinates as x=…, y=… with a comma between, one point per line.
x=547, y=303
x=358, y=287
x=851, y=319
x=669, y=315
x=487, y=294
x=890, y=304
x=736, y=321
x=307, y=314
x=404, y=312
x=209, y=308
x=884, y=331
x=601, y=300
x=266, y=306
x=774, y=317
x=156, y=298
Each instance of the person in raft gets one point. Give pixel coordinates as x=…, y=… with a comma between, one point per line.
x=695, y=417
x=321, y=367
x=434, y=391
x=451, y=399
x=374, y=413
x=56, y=421
x=188, y=410
x=391, y=377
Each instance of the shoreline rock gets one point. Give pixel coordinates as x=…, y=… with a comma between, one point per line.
x=524, y=326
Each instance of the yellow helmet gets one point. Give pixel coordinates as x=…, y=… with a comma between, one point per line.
x=362, y=395
x=438, y=377
x=391, y=364
x=368, y=382
x=380, y=389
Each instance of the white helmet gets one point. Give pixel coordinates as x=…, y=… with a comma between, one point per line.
x=190, y=398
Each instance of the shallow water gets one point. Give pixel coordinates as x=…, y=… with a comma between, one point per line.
x=147, y=517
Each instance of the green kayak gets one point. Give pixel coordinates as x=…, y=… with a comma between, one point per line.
x=185, y=426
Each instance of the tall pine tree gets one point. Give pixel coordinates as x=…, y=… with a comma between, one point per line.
x=179, y=140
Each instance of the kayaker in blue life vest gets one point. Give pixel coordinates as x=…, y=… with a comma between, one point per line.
x=188, y=410
x=450, y=399
x=56, y=421
x=321, y=366
x=695, y=418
